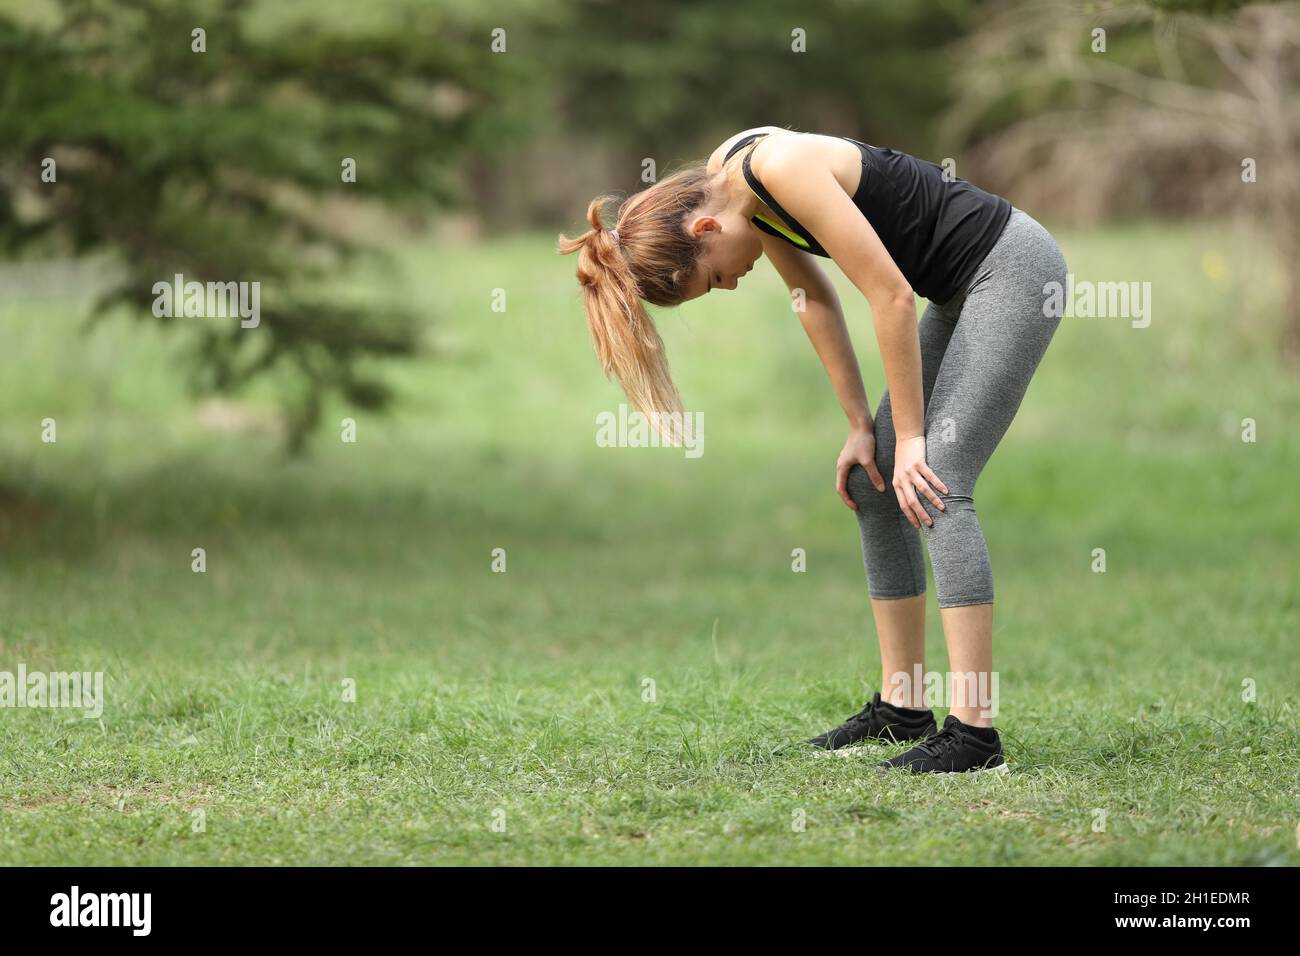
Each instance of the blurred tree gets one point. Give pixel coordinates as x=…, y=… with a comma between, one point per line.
x=1191, y=107
x=669, y=79
x=214, y=163
x=667, y=70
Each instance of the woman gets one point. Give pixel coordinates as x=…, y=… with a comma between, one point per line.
x=896, y=227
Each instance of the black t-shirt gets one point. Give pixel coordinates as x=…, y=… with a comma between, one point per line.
x=937, y=230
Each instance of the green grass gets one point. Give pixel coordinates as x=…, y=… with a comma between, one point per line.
x=522, y=692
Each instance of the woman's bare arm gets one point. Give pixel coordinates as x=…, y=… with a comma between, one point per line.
x=823, y=321
x=804, y=185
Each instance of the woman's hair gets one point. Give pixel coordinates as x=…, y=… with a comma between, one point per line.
x=652, y=257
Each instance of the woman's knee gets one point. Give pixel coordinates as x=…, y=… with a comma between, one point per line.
x=958, y=553
x=864, y=493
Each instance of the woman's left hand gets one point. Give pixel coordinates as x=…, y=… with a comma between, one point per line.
x=912, y=474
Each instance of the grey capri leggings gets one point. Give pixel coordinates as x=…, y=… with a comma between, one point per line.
x=978, y=352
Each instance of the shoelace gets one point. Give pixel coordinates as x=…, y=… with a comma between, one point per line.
x=862, y=716
x=936, y=745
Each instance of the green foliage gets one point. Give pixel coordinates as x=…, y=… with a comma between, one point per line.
x=664, y=71
x=1204, y=7
x=225, y=165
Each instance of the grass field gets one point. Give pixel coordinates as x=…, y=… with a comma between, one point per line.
x=486, y=698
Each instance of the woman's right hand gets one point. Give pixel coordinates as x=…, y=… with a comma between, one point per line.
x=859, y=449
x=912, y=475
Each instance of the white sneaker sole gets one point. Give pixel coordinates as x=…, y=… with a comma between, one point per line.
x=852, y=750
x=1000, y=770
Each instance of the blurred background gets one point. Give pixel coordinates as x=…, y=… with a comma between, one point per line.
x=421, y=299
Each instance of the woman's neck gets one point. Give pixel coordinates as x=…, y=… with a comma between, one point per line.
x=739, y=198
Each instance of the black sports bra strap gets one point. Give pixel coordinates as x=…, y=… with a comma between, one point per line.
x=740, y=144
x=793, y=224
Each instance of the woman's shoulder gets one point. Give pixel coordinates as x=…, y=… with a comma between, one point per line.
x=717, y=156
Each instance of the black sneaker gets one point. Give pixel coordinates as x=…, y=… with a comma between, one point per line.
x=878, y=722
x=952, y=750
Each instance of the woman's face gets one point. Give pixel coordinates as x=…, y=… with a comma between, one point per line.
x=731, y=247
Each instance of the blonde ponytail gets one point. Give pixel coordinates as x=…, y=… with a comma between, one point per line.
x=649, y=255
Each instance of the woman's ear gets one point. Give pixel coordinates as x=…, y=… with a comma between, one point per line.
x=698, y=226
